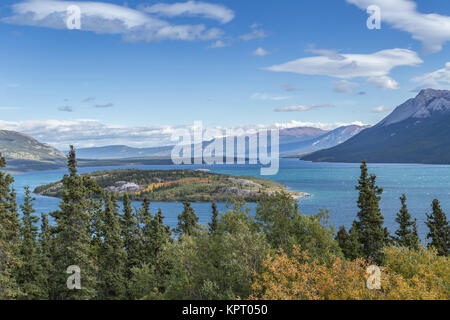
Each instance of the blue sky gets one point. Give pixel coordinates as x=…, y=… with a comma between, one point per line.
x=136, y=70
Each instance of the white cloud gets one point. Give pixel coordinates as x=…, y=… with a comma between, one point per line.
x=260, y=52
x=381, y=109
x=265, y=97
x=374, y=67
x=88, y=133
x=433, y=30
x=302, y=108
x=332, y=54
x=106, y=18
x=439, y=79
x=319, y=125
x=219, y=44
x=256, y=33
x=193, y=8
x=344, y=86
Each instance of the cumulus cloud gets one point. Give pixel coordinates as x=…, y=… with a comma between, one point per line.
x=193, y=8
x=375, y=67
x=381, y=109
x=106, y=18
x=88, y=133
x=319, y=125
x=433, y=30
x=260, y=52
x=256, y=33
x=302, y=108
x=219, y=44
x=439, y=79
x=344, y=86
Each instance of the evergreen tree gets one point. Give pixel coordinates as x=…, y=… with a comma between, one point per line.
x=45, y=257
x=439, y=230
x=112, y=253
x=187, y=221
x=350, y=242
x=373, y=237
x=73, y=234
x=406, y=235
x=131, y=237
x=214, y=219
x=9, y=237
x=30, y=273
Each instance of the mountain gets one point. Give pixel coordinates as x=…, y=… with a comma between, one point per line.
x=418, y=131
x=324, y=141
x=18, y=146
x=121, y=152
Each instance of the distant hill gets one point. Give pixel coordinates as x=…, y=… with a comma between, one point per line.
x=121, y=151
x=418, y=131
x=324, y=141
x=18, y=146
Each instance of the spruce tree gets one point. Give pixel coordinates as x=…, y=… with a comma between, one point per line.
x=406, y=235
x=112, y=254
x=46, y=247
x=73, y=235
x=131, y=236
x=214, y=218
x=187, y=221
x=9, y=237
x=439, y=230
x=30, y=273
x=373, y=237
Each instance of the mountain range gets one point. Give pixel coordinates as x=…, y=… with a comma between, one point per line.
x=418, y=131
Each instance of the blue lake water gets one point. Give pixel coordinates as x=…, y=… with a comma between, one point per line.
x=332, y=186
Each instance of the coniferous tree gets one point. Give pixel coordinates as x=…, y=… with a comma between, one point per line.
x=73, y=235
x=214, y=218
x=112, y=253
x=439, y=230
x=349, y=242
x=46, y=247
x=406, y=235
x=371, y=233
x=187, y=221
x=131, y=237
x=9, y=237
x=30, y=273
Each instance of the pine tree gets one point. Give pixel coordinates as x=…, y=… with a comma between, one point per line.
x=46, y=246
x=9, y=237
x=187, y=221
x=73, y=235
x=372, y=235
x=406, y=235
x=131, y=236
x=439, y=230
x=30, y=273
x=214, y=219
x=112, y=254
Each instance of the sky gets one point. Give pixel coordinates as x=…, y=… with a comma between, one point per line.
x=134, y=71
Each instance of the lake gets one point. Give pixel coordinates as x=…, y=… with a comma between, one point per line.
x=332, y=186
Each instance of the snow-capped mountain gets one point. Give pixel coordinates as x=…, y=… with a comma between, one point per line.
x=418, y=131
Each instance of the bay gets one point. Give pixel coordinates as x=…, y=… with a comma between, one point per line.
x=332, y=186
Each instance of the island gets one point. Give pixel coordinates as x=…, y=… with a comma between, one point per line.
x=178, y=186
